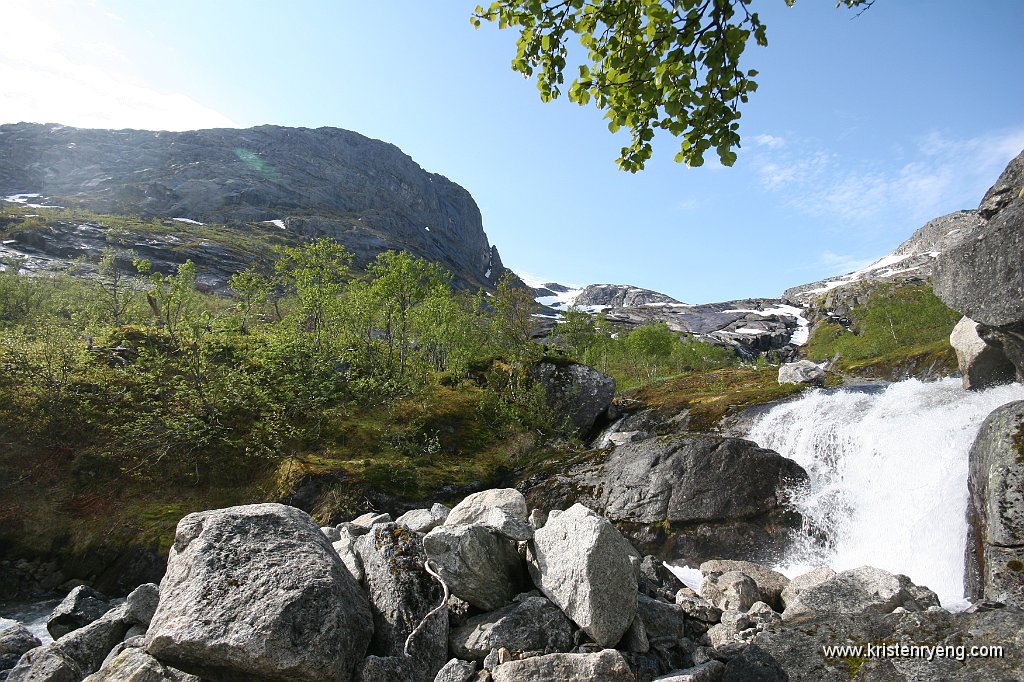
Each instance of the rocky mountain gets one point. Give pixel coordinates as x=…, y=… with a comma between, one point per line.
x=750, y=326
x=298, y=181
x=912, y=260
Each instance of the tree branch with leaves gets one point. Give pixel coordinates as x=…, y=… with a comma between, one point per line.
x=672, y=65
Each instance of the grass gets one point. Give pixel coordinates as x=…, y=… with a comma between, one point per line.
x=710, y=396
x=902, y=330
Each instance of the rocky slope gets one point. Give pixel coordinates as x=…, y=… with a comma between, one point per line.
x=327, y=181
x=486, y=592
x=749, y=326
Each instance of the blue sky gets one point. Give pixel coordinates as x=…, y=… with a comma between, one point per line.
x=862, y=129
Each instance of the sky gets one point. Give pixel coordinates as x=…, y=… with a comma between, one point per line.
x=863, y=127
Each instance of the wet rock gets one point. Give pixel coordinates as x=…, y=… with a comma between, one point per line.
x=770, y=584
x=995, y=511
x=15, y=640
x=685, y=495
x=861, y=590
x=981, y=364
x=802, y=582
x=76, y=654
x=730, y=591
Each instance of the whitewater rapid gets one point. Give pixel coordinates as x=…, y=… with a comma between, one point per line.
x=887, y=471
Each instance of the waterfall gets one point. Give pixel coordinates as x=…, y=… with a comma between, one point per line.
x=887, y=471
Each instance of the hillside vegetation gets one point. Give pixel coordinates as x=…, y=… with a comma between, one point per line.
x=900, y=330
x=130, y=397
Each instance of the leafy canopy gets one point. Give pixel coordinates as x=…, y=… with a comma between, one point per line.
x=668, y=64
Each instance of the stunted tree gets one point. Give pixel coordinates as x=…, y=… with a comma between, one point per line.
x=672, y=65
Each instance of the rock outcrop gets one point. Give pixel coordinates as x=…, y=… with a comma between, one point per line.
x=983, y=277
x=685, y=496
x=578, y=395
x=257, y=592
x=995, y=511
x=363, y=192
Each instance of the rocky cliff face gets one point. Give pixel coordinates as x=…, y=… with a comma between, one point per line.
x=324, y=182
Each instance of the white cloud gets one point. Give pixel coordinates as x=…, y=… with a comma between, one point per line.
x=936, y=175
x=770, y=141
x=49, y=75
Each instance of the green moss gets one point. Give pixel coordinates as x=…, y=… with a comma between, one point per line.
x=710, y=396
x=1015, y=565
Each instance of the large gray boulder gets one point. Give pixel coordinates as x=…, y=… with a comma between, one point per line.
x=578, y=395
x=480, y=566
x=802, y=372
x=582, y=564
x=995, y=511
x=476, y=508
x=82, y=606
x=607, y=665
x=533, y=623
x=981, y=364
x=402, y=593
x=687, y=496
x=257, y=593
x=861, y=590
x=983, y=277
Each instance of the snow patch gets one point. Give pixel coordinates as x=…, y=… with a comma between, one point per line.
x=275, y=223
x=188, y=220
x=23, y=199
x=803, y=330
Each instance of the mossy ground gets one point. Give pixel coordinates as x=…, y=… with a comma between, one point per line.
x=710, y=396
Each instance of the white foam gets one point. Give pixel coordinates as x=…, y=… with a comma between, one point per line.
x=888, y=476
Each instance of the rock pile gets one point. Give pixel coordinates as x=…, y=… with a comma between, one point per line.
x=484, y=592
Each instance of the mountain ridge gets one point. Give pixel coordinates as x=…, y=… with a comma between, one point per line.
x=367, y=194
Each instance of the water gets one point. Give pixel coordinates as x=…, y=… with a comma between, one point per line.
x=888, y=476
x=32, y=615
